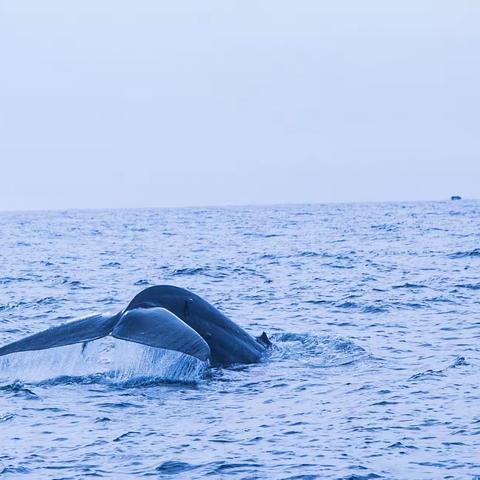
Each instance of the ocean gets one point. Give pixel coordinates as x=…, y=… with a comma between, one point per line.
x=373, y=309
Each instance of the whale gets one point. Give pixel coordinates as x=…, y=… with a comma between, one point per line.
x=161, y=316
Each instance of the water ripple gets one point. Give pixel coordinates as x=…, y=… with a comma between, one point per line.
x=373, y=310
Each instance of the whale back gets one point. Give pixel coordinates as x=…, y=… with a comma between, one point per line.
x=228, y=342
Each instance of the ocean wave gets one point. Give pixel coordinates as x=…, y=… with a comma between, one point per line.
x=412, y=286
x=458, y=362
x=466, y=254
x=18, y=389
x=7, y=280
x=469, y=286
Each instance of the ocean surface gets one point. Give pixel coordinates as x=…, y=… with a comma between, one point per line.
x=374, y=311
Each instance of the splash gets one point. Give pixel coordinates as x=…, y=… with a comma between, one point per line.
x=70, y=360
x=134, y=361
x=105, y=360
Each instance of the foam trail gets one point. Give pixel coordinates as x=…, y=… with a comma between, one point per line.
x=116, y=360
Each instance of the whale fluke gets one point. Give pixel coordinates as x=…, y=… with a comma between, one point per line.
x=84, y=330
x=157, y=327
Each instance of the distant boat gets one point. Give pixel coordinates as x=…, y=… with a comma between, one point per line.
x=455, y=197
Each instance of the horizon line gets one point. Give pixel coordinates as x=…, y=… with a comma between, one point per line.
x=226, y=205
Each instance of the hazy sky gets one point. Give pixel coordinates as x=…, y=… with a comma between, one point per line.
x=107, y=103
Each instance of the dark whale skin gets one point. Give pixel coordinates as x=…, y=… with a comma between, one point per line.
x=228, y=342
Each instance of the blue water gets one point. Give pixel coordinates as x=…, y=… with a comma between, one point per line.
x=374, y=310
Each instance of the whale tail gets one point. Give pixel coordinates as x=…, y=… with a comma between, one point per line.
x=166, y=317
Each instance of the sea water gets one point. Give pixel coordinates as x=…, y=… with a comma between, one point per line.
x=373, y=309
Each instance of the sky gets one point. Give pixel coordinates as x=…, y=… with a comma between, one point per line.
x=152, y=103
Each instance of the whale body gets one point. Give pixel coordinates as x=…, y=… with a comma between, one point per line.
x=162, y=316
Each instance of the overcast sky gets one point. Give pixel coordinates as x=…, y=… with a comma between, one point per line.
x=110, y=103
